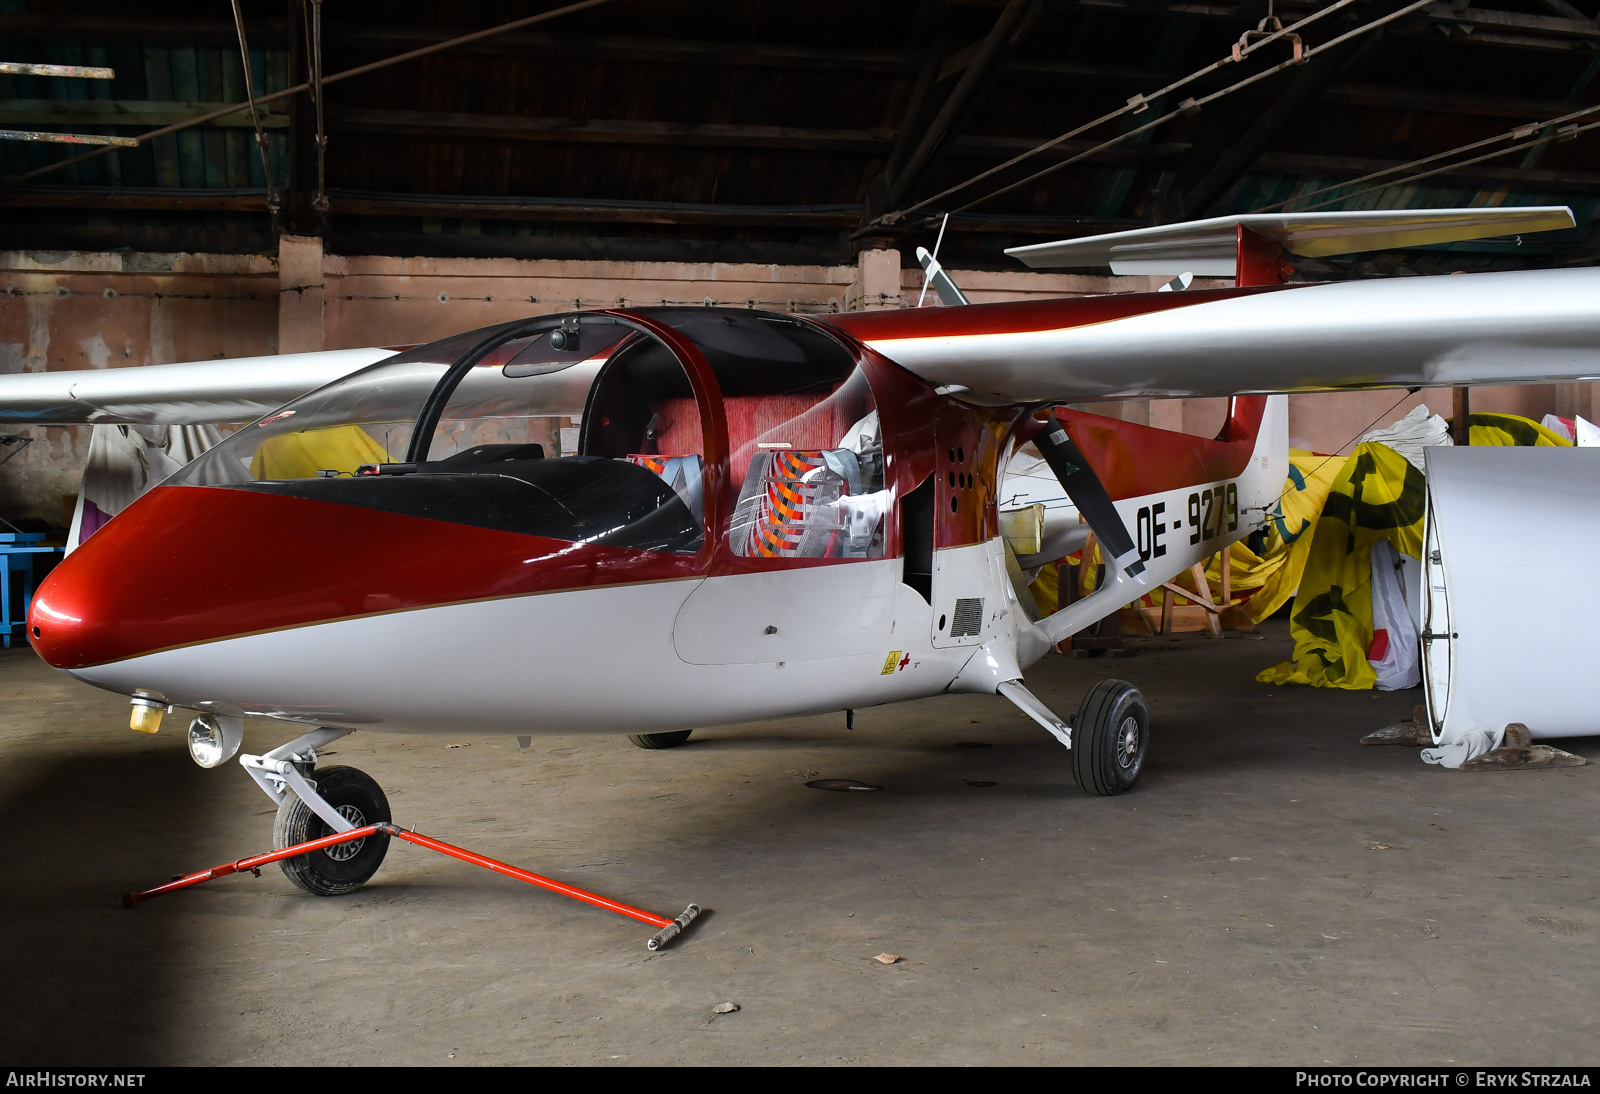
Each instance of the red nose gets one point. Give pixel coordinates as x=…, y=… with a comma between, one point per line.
x=190, y=564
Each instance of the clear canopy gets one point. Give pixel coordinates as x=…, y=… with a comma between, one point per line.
x=587, y=428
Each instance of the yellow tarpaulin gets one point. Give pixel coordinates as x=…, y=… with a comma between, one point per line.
x=1510, y=430
x=1376, y=495
x=301, y=455
x=1046, y=589
x=1274, y=574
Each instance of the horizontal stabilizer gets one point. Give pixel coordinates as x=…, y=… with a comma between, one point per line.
x=1209, y=247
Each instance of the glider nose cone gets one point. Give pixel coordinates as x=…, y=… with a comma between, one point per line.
x=186, y=567
x=121, y=590
x=60, y=623
x=72, y=620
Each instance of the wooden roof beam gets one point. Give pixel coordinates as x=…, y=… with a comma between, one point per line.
x=1228, y=140
x=1325, y=169
x=1484, y=26
x=138, y=112
x=915, y=153
x=129, y=112
x=422, y=123
x=644, y=50
x=1446, y=102
x=424, y=205
x=704, y=134
x=350, y=203
x=1561, y=7
x=36, y=25
x=1580, y=27
x=1468, y=36
x=271, y=32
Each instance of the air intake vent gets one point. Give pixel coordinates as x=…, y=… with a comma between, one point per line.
x=968, y=618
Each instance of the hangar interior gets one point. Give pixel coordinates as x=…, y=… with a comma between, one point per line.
x=723, y=152
x=792, y=158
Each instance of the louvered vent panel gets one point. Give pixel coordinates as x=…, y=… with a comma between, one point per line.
x=968, y=618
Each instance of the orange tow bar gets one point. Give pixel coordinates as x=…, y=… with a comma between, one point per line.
x=670, y=928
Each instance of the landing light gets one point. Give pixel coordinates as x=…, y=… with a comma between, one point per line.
x=214, y=739
x=147, y=711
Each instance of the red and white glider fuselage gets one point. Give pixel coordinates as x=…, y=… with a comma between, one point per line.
x=334, y=599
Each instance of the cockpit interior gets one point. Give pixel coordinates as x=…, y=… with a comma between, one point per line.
x=588, y=429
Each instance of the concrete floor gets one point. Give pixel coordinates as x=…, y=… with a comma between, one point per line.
x=1272, y=893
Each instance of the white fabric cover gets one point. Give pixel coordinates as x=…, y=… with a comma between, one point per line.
x=1588, y=434
x=1411, y=434
x=865, y=434
x=1400, y=667
x=125, y=461
x=1555, y=425
x=1469, y=746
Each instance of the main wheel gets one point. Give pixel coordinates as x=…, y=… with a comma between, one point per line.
x=660, y=740
x=1109, y=738
x=344, y=867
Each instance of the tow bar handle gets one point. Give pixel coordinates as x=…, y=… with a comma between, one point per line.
x=674, y=929
x=670, y=928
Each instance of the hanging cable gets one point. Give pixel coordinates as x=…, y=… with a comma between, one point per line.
x=1566, y=134
x=1191, y=105
x=255, y=116
x=1138, y=104
x=1356, y=436
x=359, y=70
x=1521, y=132
x=313, y=30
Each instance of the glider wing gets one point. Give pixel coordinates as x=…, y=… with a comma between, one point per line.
x=1492, y=328
x=194, y=393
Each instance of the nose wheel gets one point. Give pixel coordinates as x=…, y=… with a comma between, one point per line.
x=660, y=740
x=343, y=867
x=1109, y=738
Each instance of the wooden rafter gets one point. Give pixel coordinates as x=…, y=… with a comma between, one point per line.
x=917, y=150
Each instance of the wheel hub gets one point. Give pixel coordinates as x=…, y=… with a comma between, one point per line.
x=344, y=852
x=1128, y=742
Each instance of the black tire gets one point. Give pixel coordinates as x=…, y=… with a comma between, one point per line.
x=660, y=740
x=1109, y=738
x=345, y=867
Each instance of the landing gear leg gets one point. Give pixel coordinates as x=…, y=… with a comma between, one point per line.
x=313, y=804
x=344, y=867
x=1109, y=738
